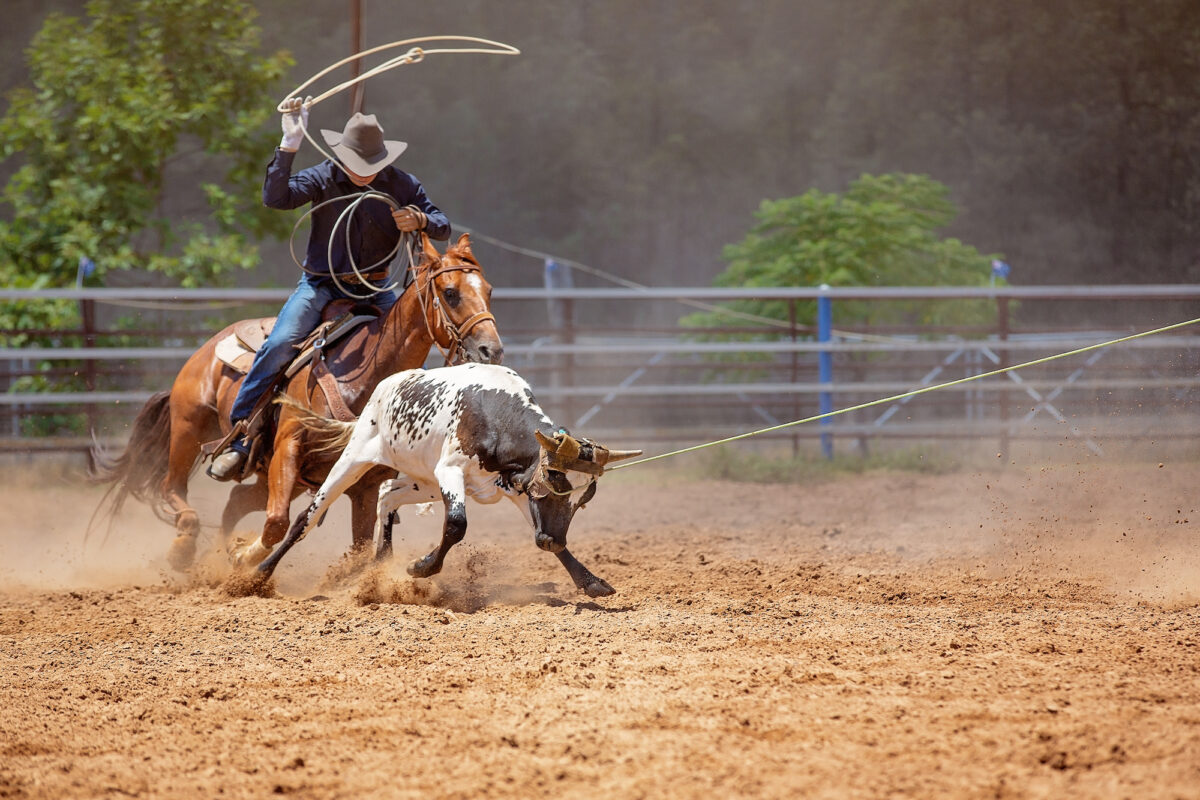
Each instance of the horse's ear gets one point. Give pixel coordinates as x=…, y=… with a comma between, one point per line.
x=463, y=245
x=430, y=251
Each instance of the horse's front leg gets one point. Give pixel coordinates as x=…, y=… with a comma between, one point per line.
x=281, y=490
x=583, y=577
x=244, y=498
x=343, y=476
x=454, y=527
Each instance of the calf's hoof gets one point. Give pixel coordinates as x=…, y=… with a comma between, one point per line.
x=182, y=552
x=424, y=567
x=599, y=588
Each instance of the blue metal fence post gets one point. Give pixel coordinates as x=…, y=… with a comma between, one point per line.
x=825, y=366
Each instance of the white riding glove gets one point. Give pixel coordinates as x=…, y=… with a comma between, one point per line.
x=294, y=122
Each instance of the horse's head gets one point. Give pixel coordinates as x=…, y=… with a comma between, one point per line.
x=457, y=301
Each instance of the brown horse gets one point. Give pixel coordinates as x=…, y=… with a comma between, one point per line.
x=447, y=302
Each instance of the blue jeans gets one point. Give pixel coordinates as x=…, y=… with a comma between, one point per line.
x=298, y=318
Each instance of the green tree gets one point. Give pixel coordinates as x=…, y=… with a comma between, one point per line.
x=140, y=96
x=883, y=231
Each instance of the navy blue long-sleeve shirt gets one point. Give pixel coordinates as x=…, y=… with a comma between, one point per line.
x=373, y=232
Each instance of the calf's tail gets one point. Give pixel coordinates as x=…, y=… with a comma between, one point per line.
x=325, y=435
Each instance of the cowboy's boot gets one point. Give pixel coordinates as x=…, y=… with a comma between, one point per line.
x=230, y=463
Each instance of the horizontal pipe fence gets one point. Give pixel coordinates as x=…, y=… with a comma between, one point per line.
x=615, y=363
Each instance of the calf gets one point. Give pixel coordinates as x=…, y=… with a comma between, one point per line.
x=472, y=430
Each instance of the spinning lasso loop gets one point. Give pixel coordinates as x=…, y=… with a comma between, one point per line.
x=412, y=56
x=913, y=393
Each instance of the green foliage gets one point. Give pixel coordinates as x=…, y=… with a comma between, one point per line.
x=881, y=232
x=51, y=424
x=141, y=96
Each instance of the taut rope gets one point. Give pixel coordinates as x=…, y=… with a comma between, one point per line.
x=913, y=393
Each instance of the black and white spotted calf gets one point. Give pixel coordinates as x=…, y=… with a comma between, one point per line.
x=472, y=430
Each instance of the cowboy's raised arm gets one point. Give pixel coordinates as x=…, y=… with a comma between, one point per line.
x=280, y=188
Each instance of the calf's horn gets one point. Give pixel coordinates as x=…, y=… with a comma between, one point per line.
x=620, y=455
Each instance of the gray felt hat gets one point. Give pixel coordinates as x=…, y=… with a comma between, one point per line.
x=361, y=147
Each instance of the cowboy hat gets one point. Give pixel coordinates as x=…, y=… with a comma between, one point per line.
x=361, y=147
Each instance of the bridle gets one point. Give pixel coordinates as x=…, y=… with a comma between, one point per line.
x=428, y=299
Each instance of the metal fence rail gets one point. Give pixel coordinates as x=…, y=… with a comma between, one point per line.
x=662, y=381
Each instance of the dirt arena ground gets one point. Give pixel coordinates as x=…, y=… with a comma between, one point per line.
x=1031, y=631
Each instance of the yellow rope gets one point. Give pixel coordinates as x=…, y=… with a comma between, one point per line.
x=913, y=393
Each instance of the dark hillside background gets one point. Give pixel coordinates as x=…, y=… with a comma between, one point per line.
x=639, y=137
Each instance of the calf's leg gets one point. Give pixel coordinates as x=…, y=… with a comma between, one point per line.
x=583, y=577
x=343, y=475
x=454, y=528
x=400, y=491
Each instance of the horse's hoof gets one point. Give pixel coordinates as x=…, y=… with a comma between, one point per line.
x=187, y=522
x=599, y=588
x=182, y=552
x=247, y=556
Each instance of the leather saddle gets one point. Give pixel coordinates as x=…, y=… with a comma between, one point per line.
x=237, y=350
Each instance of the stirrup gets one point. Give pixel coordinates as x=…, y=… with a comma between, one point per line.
x=229, y=465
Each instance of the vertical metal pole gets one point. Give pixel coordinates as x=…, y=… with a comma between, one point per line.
x=561, y=311
x=1002, y=322
x=569, y=358
x=358, y=95
x=795, y=376
x=825, y=367
x=88, y=309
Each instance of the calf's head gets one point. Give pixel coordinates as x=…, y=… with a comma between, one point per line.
x=562, y=482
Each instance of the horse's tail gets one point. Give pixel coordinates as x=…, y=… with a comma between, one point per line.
x=326, y=436
x=140, y=469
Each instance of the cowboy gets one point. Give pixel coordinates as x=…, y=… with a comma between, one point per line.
x=365, y=241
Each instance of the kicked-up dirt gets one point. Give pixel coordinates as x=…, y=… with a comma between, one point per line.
x=1028, y=632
